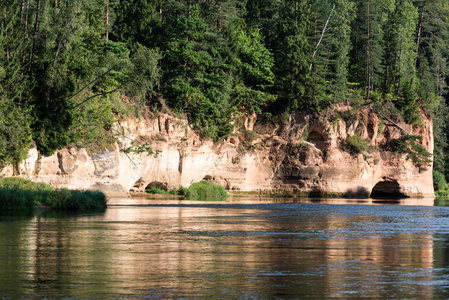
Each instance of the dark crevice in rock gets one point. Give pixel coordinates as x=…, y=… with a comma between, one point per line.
x=387, y=189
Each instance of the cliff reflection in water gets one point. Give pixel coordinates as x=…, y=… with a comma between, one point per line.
x=233, y=249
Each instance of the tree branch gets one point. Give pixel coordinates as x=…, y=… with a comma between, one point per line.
x=396, y=125
x=91, y=83
x=96, y=95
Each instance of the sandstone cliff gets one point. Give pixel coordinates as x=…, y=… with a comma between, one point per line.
x=304, y=155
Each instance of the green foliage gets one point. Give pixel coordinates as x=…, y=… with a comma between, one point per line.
x=138, y=149
x=18, y=194
x=15, y=132
x=136, y=20
x=206, y=189
x=408, y=105
x=198, y=75
x=16, y=200
x=75, y=200
x=144, y=74
x=439, y=181
x=197, y=191
x=64, y=62
x=92, y=124
x=409, y=144
x=354, y=144
x=155, y=190
x=330, y=65
x=335, y=120
x=349, y=116
x=182, y=191
x=255, y=77
x=51, y=127
x=23, y=184
x=442, y=193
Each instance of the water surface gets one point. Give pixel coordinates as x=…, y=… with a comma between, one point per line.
x=239, y=249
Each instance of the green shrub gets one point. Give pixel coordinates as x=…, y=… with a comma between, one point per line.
x=349, y=116
x=354, y=144
x=335, y=120
x=182, y=191
x=156, y=190
x=416, y=152
x=205, y=189
x=439, y=181
x=442, y=193
x=73, y=200
x=87, y=200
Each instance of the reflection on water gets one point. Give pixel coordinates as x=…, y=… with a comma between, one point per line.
x=240, y=248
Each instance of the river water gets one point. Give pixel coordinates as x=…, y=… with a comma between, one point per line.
x=235, y=249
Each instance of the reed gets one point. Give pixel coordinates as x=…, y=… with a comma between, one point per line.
x=17, y=194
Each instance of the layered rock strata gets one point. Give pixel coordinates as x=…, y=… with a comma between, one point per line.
x=304, y=155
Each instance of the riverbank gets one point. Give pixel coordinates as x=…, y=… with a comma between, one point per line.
x=17, y=194
x=306, y=155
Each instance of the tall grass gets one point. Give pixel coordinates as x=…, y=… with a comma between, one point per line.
x=16, y=200
x=18, y=194
x=23, y=184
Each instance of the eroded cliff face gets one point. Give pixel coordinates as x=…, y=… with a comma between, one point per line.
x=304, y=155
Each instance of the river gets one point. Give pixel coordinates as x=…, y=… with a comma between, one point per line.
x=235, y=249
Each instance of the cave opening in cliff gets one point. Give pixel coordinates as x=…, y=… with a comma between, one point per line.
x=157, y=184
x=387, y=189
x=317, y=139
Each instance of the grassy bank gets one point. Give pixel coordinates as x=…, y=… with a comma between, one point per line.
x=197, y=191
x=17, y=194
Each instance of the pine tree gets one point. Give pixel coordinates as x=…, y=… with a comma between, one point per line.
x=404, y=26
x=370, y=35
x=136, y=21
x=330, y=68
x=292, y=49
x=433, y=69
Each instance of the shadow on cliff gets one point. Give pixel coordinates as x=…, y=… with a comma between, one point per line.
x=360, y=192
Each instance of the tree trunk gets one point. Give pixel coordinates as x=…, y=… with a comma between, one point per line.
x=418, y=39
x=36, y=29
x=107, y=20
x=25, y=33
x=6, y=34
x=368, y=58
x=322, y=34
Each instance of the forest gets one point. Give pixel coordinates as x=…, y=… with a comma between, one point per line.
x=68, y=69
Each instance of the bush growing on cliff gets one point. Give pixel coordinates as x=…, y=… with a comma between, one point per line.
x=354, y=144
x=409, y=145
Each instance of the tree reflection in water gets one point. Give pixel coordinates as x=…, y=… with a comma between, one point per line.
x=234, y=249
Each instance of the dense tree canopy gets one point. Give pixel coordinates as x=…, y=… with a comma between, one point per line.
x=63, y=64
